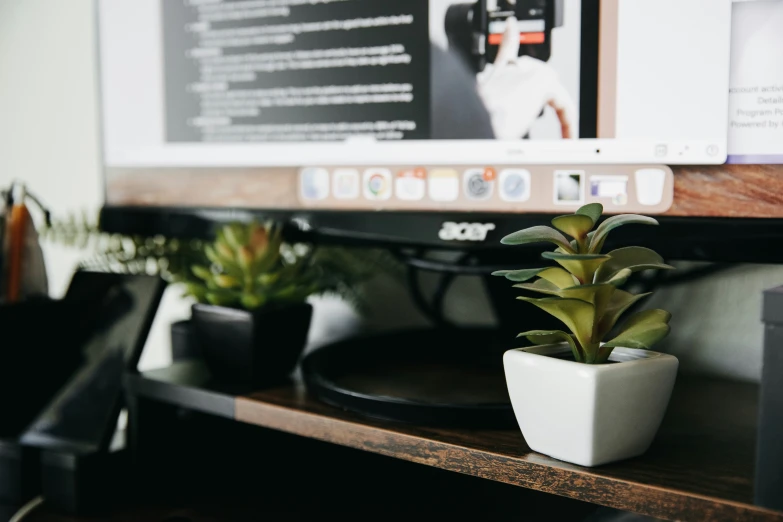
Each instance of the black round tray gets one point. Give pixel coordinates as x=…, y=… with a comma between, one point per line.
x=432, y=377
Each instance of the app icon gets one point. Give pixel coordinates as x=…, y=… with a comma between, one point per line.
x=443, y=184
x=479, y=183
x=610, y=187
x=569, y=187
x=514, y=185
x=650, y=184
x=377, y=184
x=410, y=185
x=661, y=150
x=345, y=183
x=314, y=183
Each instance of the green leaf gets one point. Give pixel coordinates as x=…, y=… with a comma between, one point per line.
x=575, y=225
x=592, y=210
x=613, y=222
x=583, y=266
x=577, y=315
x=634, y=258
x=618, y=304
x=539, y=234
x=233, y=235
x=597, y=295
x=554, y=275
x=542, y=337
x=201, y=272
x=520, y=276
x=541, y=286
x=642, y=330
x=558, y=277
x=619, y=278
x=251, y=301
x=225, y=281
x=226, y=264
x=212, y=255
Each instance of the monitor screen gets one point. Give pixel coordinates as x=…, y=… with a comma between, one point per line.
x=661, y=107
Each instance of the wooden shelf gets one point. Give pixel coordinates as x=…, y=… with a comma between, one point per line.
x=700, y=466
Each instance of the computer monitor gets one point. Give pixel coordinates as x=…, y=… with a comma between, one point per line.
x=447, y=123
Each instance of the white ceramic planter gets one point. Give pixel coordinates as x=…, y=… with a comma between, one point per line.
x=589, y=414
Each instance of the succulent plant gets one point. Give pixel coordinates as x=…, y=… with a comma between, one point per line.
x=252, y=267
x=583, y=292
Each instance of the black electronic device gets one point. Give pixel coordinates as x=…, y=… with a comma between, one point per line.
x=477, y=29
x=293, y=126
x=74, y=431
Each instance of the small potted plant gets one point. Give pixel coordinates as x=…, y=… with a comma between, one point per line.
x=251, y=318
x=577, y=396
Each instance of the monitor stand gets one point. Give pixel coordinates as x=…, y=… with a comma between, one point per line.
x=437, y=376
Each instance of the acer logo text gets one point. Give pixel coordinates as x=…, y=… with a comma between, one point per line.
x=451, y=231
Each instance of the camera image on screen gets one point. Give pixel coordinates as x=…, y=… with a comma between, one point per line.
x=476, y=30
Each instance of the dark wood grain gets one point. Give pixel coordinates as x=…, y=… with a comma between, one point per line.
x=728, y=191
x=699, y=468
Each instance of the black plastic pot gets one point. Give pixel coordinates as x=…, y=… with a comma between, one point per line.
x=184, y=344
x=251, y=350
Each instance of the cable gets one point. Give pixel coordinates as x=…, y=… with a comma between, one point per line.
x=420, y=301
x=434, y=310
x=446, y=280
x=25, y=510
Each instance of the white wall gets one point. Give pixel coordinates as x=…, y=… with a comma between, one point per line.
x=48, y=125
x=48, y=138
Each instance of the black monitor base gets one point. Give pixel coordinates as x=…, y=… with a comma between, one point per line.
x=446, y=377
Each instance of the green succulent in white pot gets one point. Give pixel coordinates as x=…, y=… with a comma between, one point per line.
x=585, y=394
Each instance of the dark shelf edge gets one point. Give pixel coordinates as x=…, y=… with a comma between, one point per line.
x=179, y=385
x=185, y=396
x=533, y=471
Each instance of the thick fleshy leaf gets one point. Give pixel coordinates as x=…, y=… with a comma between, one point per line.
x=618, y=304
x=520, y=276
x=542, y=337
x=201, y=272
x=225, y=281
x=228, y=266
x=251, y=301
x=575, y=225
x=541, y=286
x=575, y=244
x=577, y=315
x=582, y=266
x=634, y=258
x=597, y=243
x=642, y=330
x=558, y=277
x=592, y=210
x=234, y=235
x=646, y=316
x=619, y=278
x=597, y=295
x=539, y=234
x=212, y=255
